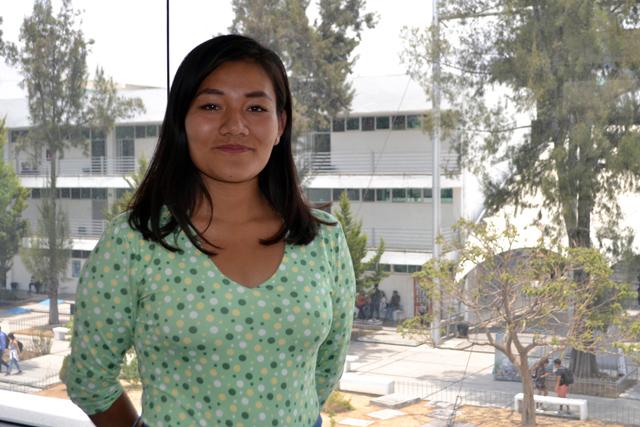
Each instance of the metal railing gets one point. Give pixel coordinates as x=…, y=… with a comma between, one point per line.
x=378, y=163
x=620, y=410
x=404, y=238
x=87, y=228
x=82, y=166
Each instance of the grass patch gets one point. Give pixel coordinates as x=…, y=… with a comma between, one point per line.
x=337, y=403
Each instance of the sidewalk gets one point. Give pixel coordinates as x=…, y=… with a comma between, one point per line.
x=37, y=373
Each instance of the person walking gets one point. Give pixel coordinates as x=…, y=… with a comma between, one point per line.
x=540, y=374
x=14, y=354
x=562, y=382
x=4, y=344
x=361, y=302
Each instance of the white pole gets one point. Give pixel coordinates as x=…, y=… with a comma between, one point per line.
x=435, y=188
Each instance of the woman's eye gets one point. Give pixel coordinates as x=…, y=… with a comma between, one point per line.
x=210, y=107
x=257, y=109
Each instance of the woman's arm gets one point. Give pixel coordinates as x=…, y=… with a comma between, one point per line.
x=121, y=413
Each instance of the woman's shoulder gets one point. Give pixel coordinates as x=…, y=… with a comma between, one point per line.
x=324, y=216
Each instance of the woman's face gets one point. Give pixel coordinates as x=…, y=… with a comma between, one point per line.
x=232, y=124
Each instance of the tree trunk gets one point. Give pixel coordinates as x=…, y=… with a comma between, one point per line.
x=528, y=404
x=3, y=277
x=52, y=280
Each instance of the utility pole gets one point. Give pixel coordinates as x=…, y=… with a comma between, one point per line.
x=435, y=184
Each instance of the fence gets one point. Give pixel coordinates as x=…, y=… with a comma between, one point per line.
x=620, y=410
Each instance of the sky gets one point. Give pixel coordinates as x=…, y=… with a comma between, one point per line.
x=129, y=36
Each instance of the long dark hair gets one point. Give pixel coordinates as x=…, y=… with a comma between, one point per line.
x=173, y=182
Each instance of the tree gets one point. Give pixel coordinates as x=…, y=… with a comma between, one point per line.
x=367, y=273
x=525, y=291
x=318, y=56
x=13, y=200
x=551, y=90
x=52, y=61
x=122, y=204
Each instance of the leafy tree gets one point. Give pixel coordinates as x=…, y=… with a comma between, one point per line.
x=367, y=273
x=549, y=89
x=13, y=200
x=122, y=204
x=524, y=291
x=318, y=56
x=52, y=60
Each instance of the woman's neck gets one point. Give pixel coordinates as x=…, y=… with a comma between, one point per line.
x=233, y=203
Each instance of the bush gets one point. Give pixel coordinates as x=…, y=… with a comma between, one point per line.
x=41, y=344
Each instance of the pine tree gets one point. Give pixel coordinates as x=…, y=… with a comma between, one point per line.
x=13, y=200
x=367, y=273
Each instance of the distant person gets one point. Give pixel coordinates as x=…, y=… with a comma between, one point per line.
x=4, y=344
x=562, y=382
x=14, y=354
x=361, y=303
x=539, y=374
x=374, y=306
x=383, y=303
x=32, y=284
x=638, y=289
x=393, y=305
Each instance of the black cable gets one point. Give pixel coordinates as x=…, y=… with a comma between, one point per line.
x=167, y=50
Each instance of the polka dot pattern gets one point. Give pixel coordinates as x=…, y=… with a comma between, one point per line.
x=211, y=351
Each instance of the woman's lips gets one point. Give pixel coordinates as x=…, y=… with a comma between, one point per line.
x=233, y=148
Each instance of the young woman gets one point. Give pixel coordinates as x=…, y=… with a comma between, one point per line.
x=14, y=354
x=237, y=297
x=539, y=374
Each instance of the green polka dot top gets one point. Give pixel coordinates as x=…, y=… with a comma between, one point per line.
x=211, y=351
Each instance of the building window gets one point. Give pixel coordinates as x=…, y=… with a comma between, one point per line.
x=18, y=135
x=85, y=193
x=35, y=193
x=382, y=122
x=76, y=266
x=383, y=194
x=414, y=195
x=338, y=125
x=75, y=193
x=353, y=194
x=400, y=268
x=337, y=192
x=99, y=193
x=65, y=193
x=385, y=267
x=398, y=123
x=446, y=194
x=141, y=131
x=368, y=195
x=80, y=254
x=399, y=195
x=125, y=132
x=120, y=192
x=353, y=123
x=321, y=143
x=413, y=122
x=152, y=131
x=414, y=268
x=427, y=193
x=368, y=123
x=319, y=194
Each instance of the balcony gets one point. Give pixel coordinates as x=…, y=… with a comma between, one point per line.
x=404, y=239
x=393, y=162
x=87, y=229
x=82, y=166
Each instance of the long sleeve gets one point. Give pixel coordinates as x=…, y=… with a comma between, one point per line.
x=333, y=351
x=104, y=320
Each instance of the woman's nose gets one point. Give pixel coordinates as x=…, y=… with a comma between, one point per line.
x=233, y=123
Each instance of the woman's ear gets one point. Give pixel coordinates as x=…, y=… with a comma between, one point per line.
x=282, y=123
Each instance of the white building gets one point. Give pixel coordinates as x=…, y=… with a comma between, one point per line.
x=88, y=183
x=381, y=156
x=378, y=153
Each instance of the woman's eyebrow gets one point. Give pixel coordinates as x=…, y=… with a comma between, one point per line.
x=252, y=94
